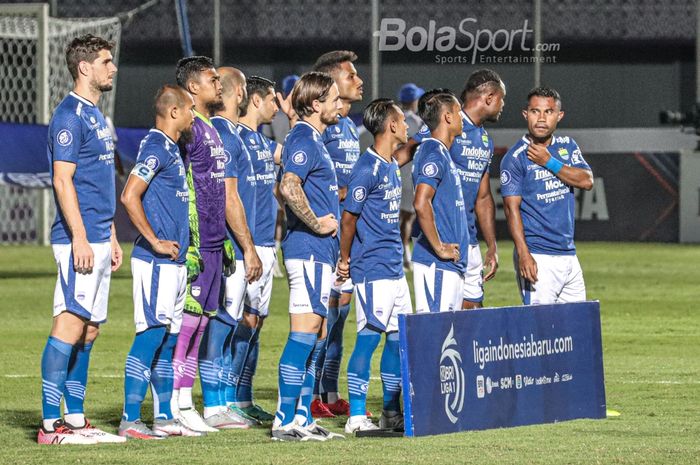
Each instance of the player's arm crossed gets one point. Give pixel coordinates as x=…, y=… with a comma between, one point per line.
x=131, y=196
x=295, y=198
x=581, y=178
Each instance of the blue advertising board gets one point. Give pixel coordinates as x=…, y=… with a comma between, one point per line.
x=501, y=367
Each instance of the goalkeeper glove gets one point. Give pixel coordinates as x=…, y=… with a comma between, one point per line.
x=229, y=258
x=194, y=263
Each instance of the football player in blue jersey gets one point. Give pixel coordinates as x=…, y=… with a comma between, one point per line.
x=441, y=236
x=371, y=253
x=84, y=241
x=310, y=191
x=156, y=199
x=538, y=177
x=81, y=159
x=343, y=144
x=249, y=302
x=482, y=101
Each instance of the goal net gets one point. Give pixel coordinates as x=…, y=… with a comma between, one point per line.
x=33, y=80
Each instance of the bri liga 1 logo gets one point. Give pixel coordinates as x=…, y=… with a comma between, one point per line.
x=452, y=386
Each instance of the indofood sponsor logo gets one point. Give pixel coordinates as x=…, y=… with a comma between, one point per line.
x=452, y=377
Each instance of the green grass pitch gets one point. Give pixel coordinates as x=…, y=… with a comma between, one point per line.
x=650, y=306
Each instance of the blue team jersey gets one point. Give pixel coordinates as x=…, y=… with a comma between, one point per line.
x=166, y=200
x=78, y=134
x=343, y=144
x=240, y=166
x=262, y=152
x=305, y=155
x=374, y=193
x=433, y=166
x=547, y=207
x=471, y=152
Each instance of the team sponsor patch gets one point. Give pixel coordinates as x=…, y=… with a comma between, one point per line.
x=299, y=158
x=576, y=157
x=359, y=193
x=430, y=169
x=64, y=137
x=152, y=162
x=505, y=177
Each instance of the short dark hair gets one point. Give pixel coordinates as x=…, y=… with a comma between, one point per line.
x=480, y=81
x=331, y=61
x=311, y=86
x=255, y=85
x=84, y=48
x=167, y=97
x=376, y=114
x=431, y=108
x=189, y=68
x=543, y=91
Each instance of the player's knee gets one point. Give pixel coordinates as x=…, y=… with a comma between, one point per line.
x=333, y=301
x=68, y=327
x=91, y=333
x=469, y=305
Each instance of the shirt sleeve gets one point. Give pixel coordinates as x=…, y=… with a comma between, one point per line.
x=233, y=149
x=361, y=184
x=577, y=160
x=300, y=159
x=422, y=133
x=149, y=162
x=66, y=137
x=429, y=168
x=512, y=175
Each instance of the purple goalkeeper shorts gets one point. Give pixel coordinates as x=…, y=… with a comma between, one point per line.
x=206, y=288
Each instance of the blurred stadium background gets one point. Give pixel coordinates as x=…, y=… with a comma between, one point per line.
x=616, y=63
x=619, y=63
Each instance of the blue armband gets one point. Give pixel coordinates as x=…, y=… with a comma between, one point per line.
x=554, y=165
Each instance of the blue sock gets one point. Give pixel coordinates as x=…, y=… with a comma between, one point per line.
x=244, y=393
x=390, y=368
x=241, y=347
x=162, y=378
x=334, y=350
x=230, y=393
x=76, y=379
x=291, y=373
x=211, y=360
x=358, y=370
x=227, y=360
x=138, y=370
x=54, y=369
x=307, y=389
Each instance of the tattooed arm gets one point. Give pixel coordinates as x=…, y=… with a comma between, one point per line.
x=296, y=200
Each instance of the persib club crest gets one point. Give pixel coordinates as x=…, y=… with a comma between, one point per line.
x=452, y=377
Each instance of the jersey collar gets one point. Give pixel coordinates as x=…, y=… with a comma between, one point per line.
x=246, y=126
x=309, y=125
x=82, y=99
x=439, y=142
x=466, y=116
x=527, y=141
x=203, y=118
x=167, y=137
x=374, y=153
